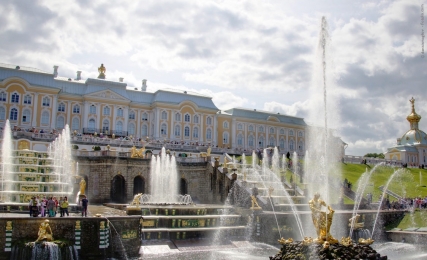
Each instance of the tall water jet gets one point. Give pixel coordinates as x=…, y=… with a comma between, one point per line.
x=60, y=151
x=164, y=178
x=324, y=147
x=7, y=160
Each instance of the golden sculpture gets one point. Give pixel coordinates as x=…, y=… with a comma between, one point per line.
x=322, y=221
x=307, y=241
x=82, y=186
x=285, y=241
x=346, y=241
x=141, y=152
x=366, y=241
x=354, y=221
x=136, y=200
x=255, y=204
x=135, y=153
x=208, y=152
x=326, y=245
x=78, y=227
x=45, y=232
x=101, y=71
x=8, y=225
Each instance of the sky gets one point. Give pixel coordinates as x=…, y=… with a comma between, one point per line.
x=252, y=54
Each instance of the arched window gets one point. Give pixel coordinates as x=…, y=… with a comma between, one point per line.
x=261, y=129
x=209, y=134
x=300, y=134
x=225, y=124
x=26, y=116
x=3, y=96
x=144, y=130
x=131, y=129
x=60, y=122
x=195, y=132
x=164, y=115
x=107, y=110
x=300, y=146
x=177, y=130
x=75, y=125
x=144, y=117
x=282, y=131
x=239, y=127
x=91, y=124
x=282, y=144
x=261, y=142
x=120, y=112
x=225, y=137
x=187, y=118
x=92, y=109
x=209, y=121
x=251, y=128
x=240, y=140
x=291, y=132
x=164, y=129
x=45, y=118
x=119, y=127
x=291, y=145
x=132, y=115
x=27, y=99
x=61, y=107
x=178, y=117
x=15, y=98
x=271, y=130
x=187, y=131
x=272, y=141
x=2, y=113
x=105, y=125
x=251, y=141
x=46, y=102
x=13, y=114
x=76, y=109
x=196, y=119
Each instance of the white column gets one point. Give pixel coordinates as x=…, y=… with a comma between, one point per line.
x=126, y=115
x=246, y=141
x=277, y=136
x=35, y=110
x=215, y=129
x=69, y=111
x=256, y=137
x=54, y=110
x=201, y=128
x=98, y=116
x=114, y=115
x=156, y=133
x=85, y=114
x=172, y=124
x=138, y=123
x=233, y=133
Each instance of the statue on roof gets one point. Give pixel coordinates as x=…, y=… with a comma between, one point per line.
x=101, y=71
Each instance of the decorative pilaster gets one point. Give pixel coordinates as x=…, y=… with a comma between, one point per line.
x=77, y=234
x=104, y=233
x=8, y=233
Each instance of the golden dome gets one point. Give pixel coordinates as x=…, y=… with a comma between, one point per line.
x=413, y=117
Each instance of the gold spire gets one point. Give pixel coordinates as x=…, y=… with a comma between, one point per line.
x=413, y=118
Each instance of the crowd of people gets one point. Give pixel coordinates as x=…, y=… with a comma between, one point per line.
x=405, y=203
x=48, y=207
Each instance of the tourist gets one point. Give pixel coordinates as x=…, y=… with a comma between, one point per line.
x=42, y=207
x=38, y=204
x=85, y=202
x=55, y=208
x=64, y=207
x=31, y=205
x=61, y=213
x=51, y=207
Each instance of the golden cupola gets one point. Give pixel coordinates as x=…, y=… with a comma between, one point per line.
x=413, y=118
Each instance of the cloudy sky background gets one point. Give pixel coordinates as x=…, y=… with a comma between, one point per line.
x=252, y=54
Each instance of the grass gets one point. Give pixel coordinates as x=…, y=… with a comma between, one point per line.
x=417, y=218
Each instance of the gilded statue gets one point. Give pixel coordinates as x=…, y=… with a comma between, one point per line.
x=346, y=241
x=82, y=186
x=141, y=152
x=101, y=71
x=136, y=200
x=322, y=221
x=133, y=152
x=255, y=204
x=366, y=241
x=354, y=221
x=45, y=232
x=208, y=152
x=285, y=241
x=307, y=241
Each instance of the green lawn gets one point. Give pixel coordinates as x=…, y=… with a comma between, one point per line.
x=412, y=219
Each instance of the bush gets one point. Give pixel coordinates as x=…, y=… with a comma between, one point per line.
x=75, y=147
x=148, y=151
x=96, y=148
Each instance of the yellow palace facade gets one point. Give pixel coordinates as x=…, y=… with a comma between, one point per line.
x=35, y=100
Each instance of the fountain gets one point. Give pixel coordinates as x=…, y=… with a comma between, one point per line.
x=26, y=173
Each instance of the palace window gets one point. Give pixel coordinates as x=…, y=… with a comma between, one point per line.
x=15, y=98
x=46, y=102
x=119, y=127
x=120, y=112
x=251, y=141
x=225, y=137
x=239, y=127
x=261, y=142
x=251, y=128
x=45, y=118
x=164, y=129
x=75, y=124
x=225, y=125
x=144, y=117
x=92, y=109
x=26, y=116
x=107, y=111
x=177, y=130
x=131, y=129
x=282, y=144
x=300, y=134
x=301, y=146
x=291, y=145
x=187, y=131
x=272, y=142
x=60, y=122
x=291, y=132
x=187, y=118
x=27, y=99
x=3, y=96
x=144, y=130
x=164, y=115
x=91, y=124
x=196, y=132
x=178, y=117
x=261, y=129
x=13, y=114
x=76, y=109
x=209, y=134
x=105, y=125
x=209, y=121
x=2, y=113
x=282, y=131
x=271, y=130
x=61, y=107
x=196, y=119
x=132, y=115
x=240, y=140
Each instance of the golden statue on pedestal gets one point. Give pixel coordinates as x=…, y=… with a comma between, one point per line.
x=136, y=200
x=82, y=186
x=354, y=221
x=45, y=232
x=322, y=221
x=135, y=153
x=255, y=204
x=101, y=71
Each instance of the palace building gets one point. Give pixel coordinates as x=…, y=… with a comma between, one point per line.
x=411, y=148
x=34, y=99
